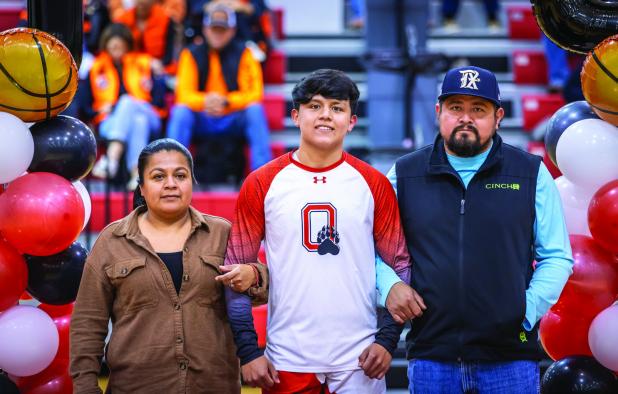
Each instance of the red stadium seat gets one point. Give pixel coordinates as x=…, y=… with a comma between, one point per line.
x=522, y=23
x=275, y=67
x=274, y=106
x=537, y=107
x=538, y=148
x=9, y=17
x=260, y=316
x=278, y=23
x=278, y=149
x=529, y=67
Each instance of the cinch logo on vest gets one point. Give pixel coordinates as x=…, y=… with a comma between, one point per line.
x=316, y=179
x=469, y=78
x=508, y=186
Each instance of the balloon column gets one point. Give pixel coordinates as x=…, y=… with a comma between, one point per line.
x=43, y=205
x=580, y=331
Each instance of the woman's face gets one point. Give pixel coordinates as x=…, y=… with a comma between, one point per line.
x=117, y=48
x=167, y=185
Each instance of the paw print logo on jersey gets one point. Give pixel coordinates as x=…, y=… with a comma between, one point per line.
x=319, y=224
x=328, y=238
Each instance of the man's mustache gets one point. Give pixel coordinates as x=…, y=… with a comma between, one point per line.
x=466, y=127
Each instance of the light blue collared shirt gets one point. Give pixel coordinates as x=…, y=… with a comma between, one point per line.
x=554, y=260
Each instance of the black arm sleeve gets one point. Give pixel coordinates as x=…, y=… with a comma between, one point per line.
x=389, y=331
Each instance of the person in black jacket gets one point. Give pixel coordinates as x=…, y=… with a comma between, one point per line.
x=476, y=213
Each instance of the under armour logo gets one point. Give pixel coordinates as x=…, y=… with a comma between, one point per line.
x=316, y=179
x=469, y=78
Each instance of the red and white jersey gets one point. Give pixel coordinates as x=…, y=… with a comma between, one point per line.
x=321, y=229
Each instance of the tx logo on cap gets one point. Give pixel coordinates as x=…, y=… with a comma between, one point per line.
x=469, y=78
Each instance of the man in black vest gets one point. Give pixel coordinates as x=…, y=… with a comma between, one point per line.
x=476, y=213
x=219, y=90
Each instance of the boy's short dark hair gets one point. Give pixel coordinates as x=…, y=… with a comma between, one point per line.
x=328, y=83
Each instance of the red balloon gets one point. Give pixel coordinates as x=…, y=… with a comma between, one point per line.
x=42, y=214
x=565, y=335
x=55, y=311
x=594, y=283
x=603, y=216
x=13, y=275
x=62, y=322
x=25, y=296
x=54, y=379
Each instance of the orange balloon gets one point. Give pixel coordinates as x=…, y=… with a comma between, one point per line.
x=39, y=76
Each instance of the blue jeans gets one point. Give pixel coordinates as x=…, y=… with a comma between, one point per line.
x=251, y=121
x=450, y=7
x=557, y=64
x=132, y=122
x=516, y=377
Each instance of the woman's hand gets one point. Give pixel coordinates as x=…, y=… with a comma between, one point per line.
x=239, y=277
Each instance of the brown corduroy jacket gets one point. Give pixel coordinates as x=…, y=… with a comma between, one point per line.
x=161, y=341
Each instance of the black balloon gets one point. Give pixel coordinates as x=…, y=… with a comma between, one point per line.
x=577, y=25
x=63, y=19
x=55, y=279
x=578, y=374
x=64, y=146
x=7, y=386
x=561, y=120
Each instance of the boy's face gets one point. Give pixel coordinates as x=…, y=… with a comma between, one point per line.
x=324, y=122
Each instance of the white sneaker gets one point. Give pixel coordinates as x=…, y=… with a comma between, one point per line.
x=104, y=168
x=132, y=184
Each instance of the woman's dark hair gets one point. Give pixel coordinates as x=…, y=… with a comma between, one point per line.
x=116, y=30
x=328, y=83
x=156, y=146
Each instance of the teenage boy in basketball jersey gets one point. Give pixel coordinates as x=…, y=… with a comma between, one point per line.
x=323, y=215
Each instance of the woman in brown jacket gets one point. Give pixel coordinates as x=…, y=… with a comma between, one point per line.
x=155, y=274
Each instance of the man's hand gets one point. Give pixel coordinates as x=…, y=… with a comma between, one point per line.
x=404, y=303
x=375, y=361
x=260, y=373
x=214, y=104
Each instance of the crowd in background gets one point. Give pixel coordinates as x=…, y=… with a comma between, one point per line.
x=153, y=68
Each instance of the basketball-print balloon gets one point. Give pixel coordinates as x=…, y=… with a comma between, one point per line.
x=38, y=76
x=600, y=79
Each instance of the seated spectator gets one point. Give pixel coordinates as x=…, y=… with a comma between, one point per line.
x=153, y=31
x=96, y=19
x=450, y=8
x=219, y=88
x=253, y=22
x=175, y=9
x=563, y=71
x=123, y=93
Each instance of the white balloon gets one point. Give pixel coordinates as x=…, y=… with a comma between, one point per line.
x=575, y=201
x=16, y=148
x=587, y=153
x=28, y=340
x=603, y=337
x=83, y=193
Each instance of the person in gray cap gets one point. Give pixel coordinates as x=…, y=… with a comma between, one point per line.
x=476, y=213
x=219, y=90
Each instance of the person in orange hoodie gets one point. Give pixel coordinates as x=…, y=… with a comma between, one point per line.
x=124, y=90
x=153, y=30
x=219, y=89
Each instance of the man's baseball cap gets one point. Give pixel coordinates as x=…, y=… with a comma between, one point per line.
x=471, y=81
x=220, y=16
